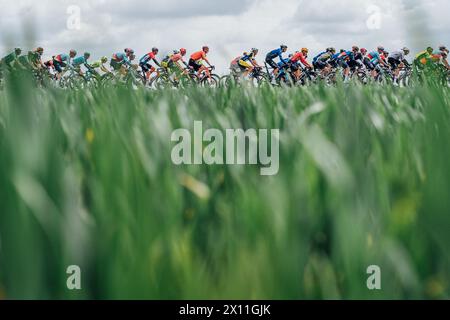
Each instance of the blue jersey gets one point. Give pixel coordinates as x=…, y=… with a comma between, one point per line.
x=78, y=61
x=318, y=56
x=335, y=56
x=275, y=53
x=248, y=57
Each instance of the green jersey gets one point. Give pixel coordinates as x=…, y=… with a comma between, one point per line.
x=10, y=58
x=97, y=64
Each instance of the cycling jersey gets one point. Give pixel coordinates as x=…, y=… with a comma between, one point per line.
x=199, y=55
x=275, y=53
x=120, y=57
x=319, y=56
x=437, y=57
x=10, y=58
x=300, y=57
x=146, y=58
x=397, y=55
x=248, y=57
x=423, y=57
x=78, y=61
x=374, y=57
x=34, y=57
x=62, y=57
x=97, y=64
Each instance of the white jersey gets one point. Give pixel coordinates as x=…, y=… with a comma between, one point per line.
x=397, y=55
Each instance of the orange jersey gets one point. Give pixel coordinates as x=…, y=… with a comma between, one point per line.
x=200, y=55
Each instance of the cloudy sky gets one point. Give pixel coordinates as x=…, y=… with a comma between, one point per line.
x=227, y=26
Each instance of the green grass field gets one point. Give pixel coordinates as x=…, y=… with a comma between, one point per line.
x=86, y=179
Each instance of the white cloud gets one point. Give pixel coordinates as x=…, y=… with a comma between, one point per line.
x=228, y=27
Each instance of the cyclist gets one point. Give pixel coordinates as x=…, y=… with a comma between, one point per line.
x=299, y=57
x=376, y=58
x=355, y=59
x=321, y=61
x=174, y=60
x=423, y=59
x=272, y=55
x=195, y=61
x=397, y=61
x=340, y=59
x=440, y=58
x=145, y=65
x=81, y=60
x=120, y=60
x=100, y=64
x=35, y=58
x=248, y=62
x=234, y=66
x=62, y=60
x=11, y=60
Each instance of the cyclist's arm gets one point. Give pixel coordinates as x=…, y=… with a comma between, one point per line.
x=304, y=62
x=207, y=61
x=127, y=62
x=103, y=68
x=156, y=62
x=255, y=63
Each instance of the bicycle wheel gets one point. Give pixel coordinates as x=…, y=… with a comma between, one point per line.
x=209, y=82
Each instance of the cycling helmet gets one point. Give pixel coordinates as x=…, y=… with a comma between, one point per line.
x=73, y=52
x=87, y=54
x=128, y=51
x=430, y=49
x=443, y=48
x=183, y=51
x=17, y=50
x=331, y=49
x=40, y=50
x=205, y=48
x=104, y=59
x=155, y=49
x=380, y=48
x=255, y=50
x=405, y=50
x=363, y=50
x=355, y=48
x=305, y=50
x=283, y=46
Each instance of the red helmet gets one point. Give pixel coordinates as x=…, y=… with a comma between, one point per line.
x=363, y=50
x=183, y=51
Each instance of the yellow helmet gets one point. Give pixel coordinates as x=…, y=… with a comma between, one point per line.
x=305, y=50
